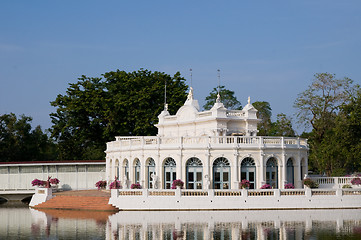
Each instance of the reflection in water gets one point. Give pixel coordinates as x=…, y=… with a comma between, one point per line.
x=18, y=223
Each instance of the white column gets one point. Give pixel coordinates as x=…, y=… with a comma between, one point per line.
x=284, y=171
x=234, y=172
x=159, y=168
x=206, y=169
x=260, y=178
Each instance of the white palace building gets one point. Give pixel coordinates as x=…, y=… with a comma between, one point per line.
x=214, y=149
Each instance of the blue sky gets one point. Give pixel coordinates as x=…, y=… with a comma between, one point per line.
x=268, y=50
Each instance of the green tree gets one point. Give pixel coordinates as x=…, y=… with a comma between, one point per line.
x=18, y=142
x=264, y=113
x=319, y=107
x=282, y=127
x=95, y=110
x=227, y=98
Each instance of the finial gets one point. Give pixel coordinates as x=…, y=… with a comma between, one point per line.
x=249, y=100
x=190, y=94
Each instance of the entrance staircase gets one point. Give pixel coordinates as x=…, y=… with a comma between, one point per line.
x=91, y=200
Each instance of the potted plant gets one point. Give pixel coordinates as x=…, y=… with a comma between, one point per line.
x=266, y=186
x=135, y=186
x=102, y=184
x=115, y=184
x=289, y=186
x=244, y=184
x=356, y=181
x=310, y=183
x=54, y=183
x=177, y=184
x=38, y=183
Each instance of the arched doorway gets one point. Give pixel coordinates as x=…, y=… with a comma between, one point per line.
x=290, y=171
x=169, y=172
x=221, y=173
x=194, y=172
x=272, y=172
x=137, y=171
x=150, y=171
x=248, y=171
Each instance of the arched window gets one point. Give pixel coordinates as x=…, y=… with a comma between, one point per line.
x=169, y=172
x=194, y=173
x=126, y=168
x=272, y=172
x=116, y=168
x=137, y=171
x=290, y=171
x=221, y=173
x=248, y=171
x=150, y=171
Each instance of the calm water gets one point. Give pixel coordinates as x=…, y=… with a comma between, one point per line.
x=24, y=223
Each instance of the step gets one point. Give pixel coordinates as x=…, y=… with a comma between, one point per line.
x=78, y=203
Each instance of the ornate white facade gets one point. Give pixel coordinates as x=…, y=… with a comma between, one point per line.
x=210, y=149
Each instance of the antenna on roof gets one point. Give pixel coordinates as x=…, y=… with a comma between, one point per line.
x=219, y=83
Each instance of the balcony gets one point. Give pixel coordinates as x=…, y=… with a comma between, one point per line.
x=227, y=142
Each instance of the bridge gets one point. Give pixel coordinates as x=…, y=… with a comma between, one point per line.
x=17, y=194
x=16, y=177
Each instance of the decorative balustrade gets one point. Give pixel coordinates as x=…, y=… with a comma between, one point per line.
x=227, y=193
x=209, y=141
x=257, y=193
x=292, y=192
x=230, y=192
x=332, y=182
x=190, y=193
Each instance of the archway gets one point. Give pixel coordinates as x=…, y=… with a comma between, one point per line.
x=126, y=169
x=169, y=171
x=136, y=171
x=194, y=172
x=150, y=165
x=221, y=173
x=290, y=171
x=272, y=172
x=248, y=171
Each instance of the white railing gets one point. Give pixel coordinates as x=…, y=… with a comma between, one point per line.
x=213, y=142
x=237, y=192
x=333, y=182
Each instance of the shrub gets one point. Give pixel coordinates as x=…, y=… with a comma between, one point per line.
x=244, y=184
x=102, y=184
x=346, y=186
x=54, y=181
x=115, y=185
x=289, y=186
x=356, y=181
x=177, y=183
x=310, y=183
x=266, y=186
x=37, y=182
x=135, y=186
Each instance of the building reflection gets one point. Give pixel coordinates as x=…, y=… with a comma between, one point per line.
x=222, y=225
x=240, y=225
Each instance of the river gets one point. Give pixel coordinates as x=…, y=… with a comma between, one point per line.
x=20, y=222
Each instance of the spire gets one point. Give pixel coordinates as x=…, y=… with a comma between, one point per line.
x=249, y=99
x=218, y=100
